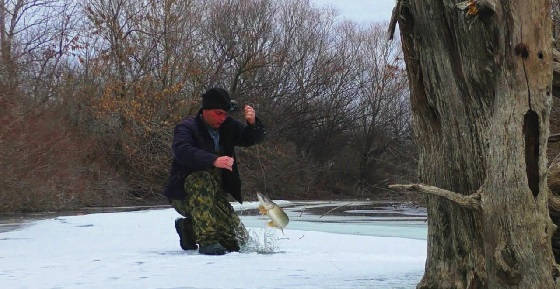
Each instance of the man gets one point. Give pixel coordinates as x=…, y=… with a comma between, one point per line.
x=204, y=170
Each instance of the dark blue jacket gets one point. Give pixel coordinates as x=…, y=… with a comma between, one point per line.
x=193, y=150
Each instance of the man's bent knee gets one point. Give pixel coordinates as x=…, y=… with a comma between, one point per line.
x=181, y=207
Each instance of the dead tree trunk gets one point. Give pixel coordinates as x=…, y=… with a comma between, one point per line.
x=480, y=76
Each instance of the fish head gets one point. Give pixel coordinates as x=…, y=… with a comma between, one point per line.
x=264, y=201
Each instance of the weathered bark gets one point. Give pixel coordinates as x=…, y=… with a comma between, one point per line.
x=480, y=76
x=556, y=73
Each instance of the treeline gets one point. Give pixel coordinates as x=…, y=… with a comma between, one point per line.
x=91, y=91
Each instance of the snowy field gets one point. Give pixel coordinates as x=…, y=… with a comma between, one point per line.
x=326, y=245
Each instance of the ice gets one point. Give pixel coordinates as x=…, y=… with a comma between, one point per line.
x=140, y=250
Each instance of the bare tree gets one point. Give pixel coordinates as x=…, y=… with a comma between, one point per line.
x=240, y=41
x=25, y=27
x=115, y=21
x=381, y=105
x=480, y=74
x=304, y=65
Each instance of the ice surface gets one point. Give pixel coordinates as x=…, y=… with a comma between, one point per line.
x=140, y=250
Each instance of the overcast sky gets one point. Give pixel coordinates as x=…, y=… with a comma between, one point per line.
x=363, y=11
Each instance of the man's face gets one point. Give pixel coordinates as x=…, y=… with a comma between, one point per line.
x=214, y=117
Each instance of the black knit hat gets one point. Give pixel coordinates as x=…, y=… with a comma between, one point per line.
x=216, y=98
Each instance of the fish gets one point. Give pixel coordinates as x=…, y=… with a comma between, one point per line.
x=278, y=217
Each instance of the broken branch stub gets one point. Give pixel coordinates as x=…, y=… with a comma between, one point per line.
x=467, y=201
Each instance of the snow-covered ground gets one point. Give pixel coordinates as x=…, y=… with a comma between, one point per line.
x=139, y=249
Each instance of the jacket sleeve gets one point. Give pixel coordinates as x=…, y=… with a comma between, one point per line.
x=187, y=153
x=250, y=134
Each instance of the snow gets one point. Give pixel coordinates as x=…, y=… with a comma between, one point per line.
x=140, y=250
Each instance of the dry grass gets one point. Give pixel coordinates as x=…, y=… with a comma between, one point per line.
x=45, y=164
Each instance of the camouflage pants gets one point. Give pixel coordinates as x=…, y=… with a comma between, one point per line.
x=213, y=217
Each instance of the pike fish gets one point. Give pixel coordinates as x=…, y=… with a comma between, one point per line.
x=279, y=219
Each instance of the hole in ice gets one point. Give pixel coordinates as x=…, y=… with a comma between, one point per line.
x=262, y=241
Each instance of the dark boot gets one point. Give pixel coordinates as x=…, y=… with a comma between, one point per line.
x=184, y=228
x=230, y=245
x=212, y=249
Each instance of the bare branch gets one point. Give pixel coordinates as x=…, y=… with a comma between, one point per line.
x=394, y=17
x=470, y=201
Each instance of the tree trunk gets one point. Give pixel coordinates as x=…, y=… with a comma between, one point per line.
x=5, y=47
x=480, y=76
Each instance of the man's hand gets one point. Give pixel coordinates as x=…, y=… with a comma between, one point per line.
x=224, y=162
x=249, y=114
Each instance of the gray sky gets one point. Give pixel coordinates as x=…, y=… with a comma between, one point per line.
x=363, y=11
